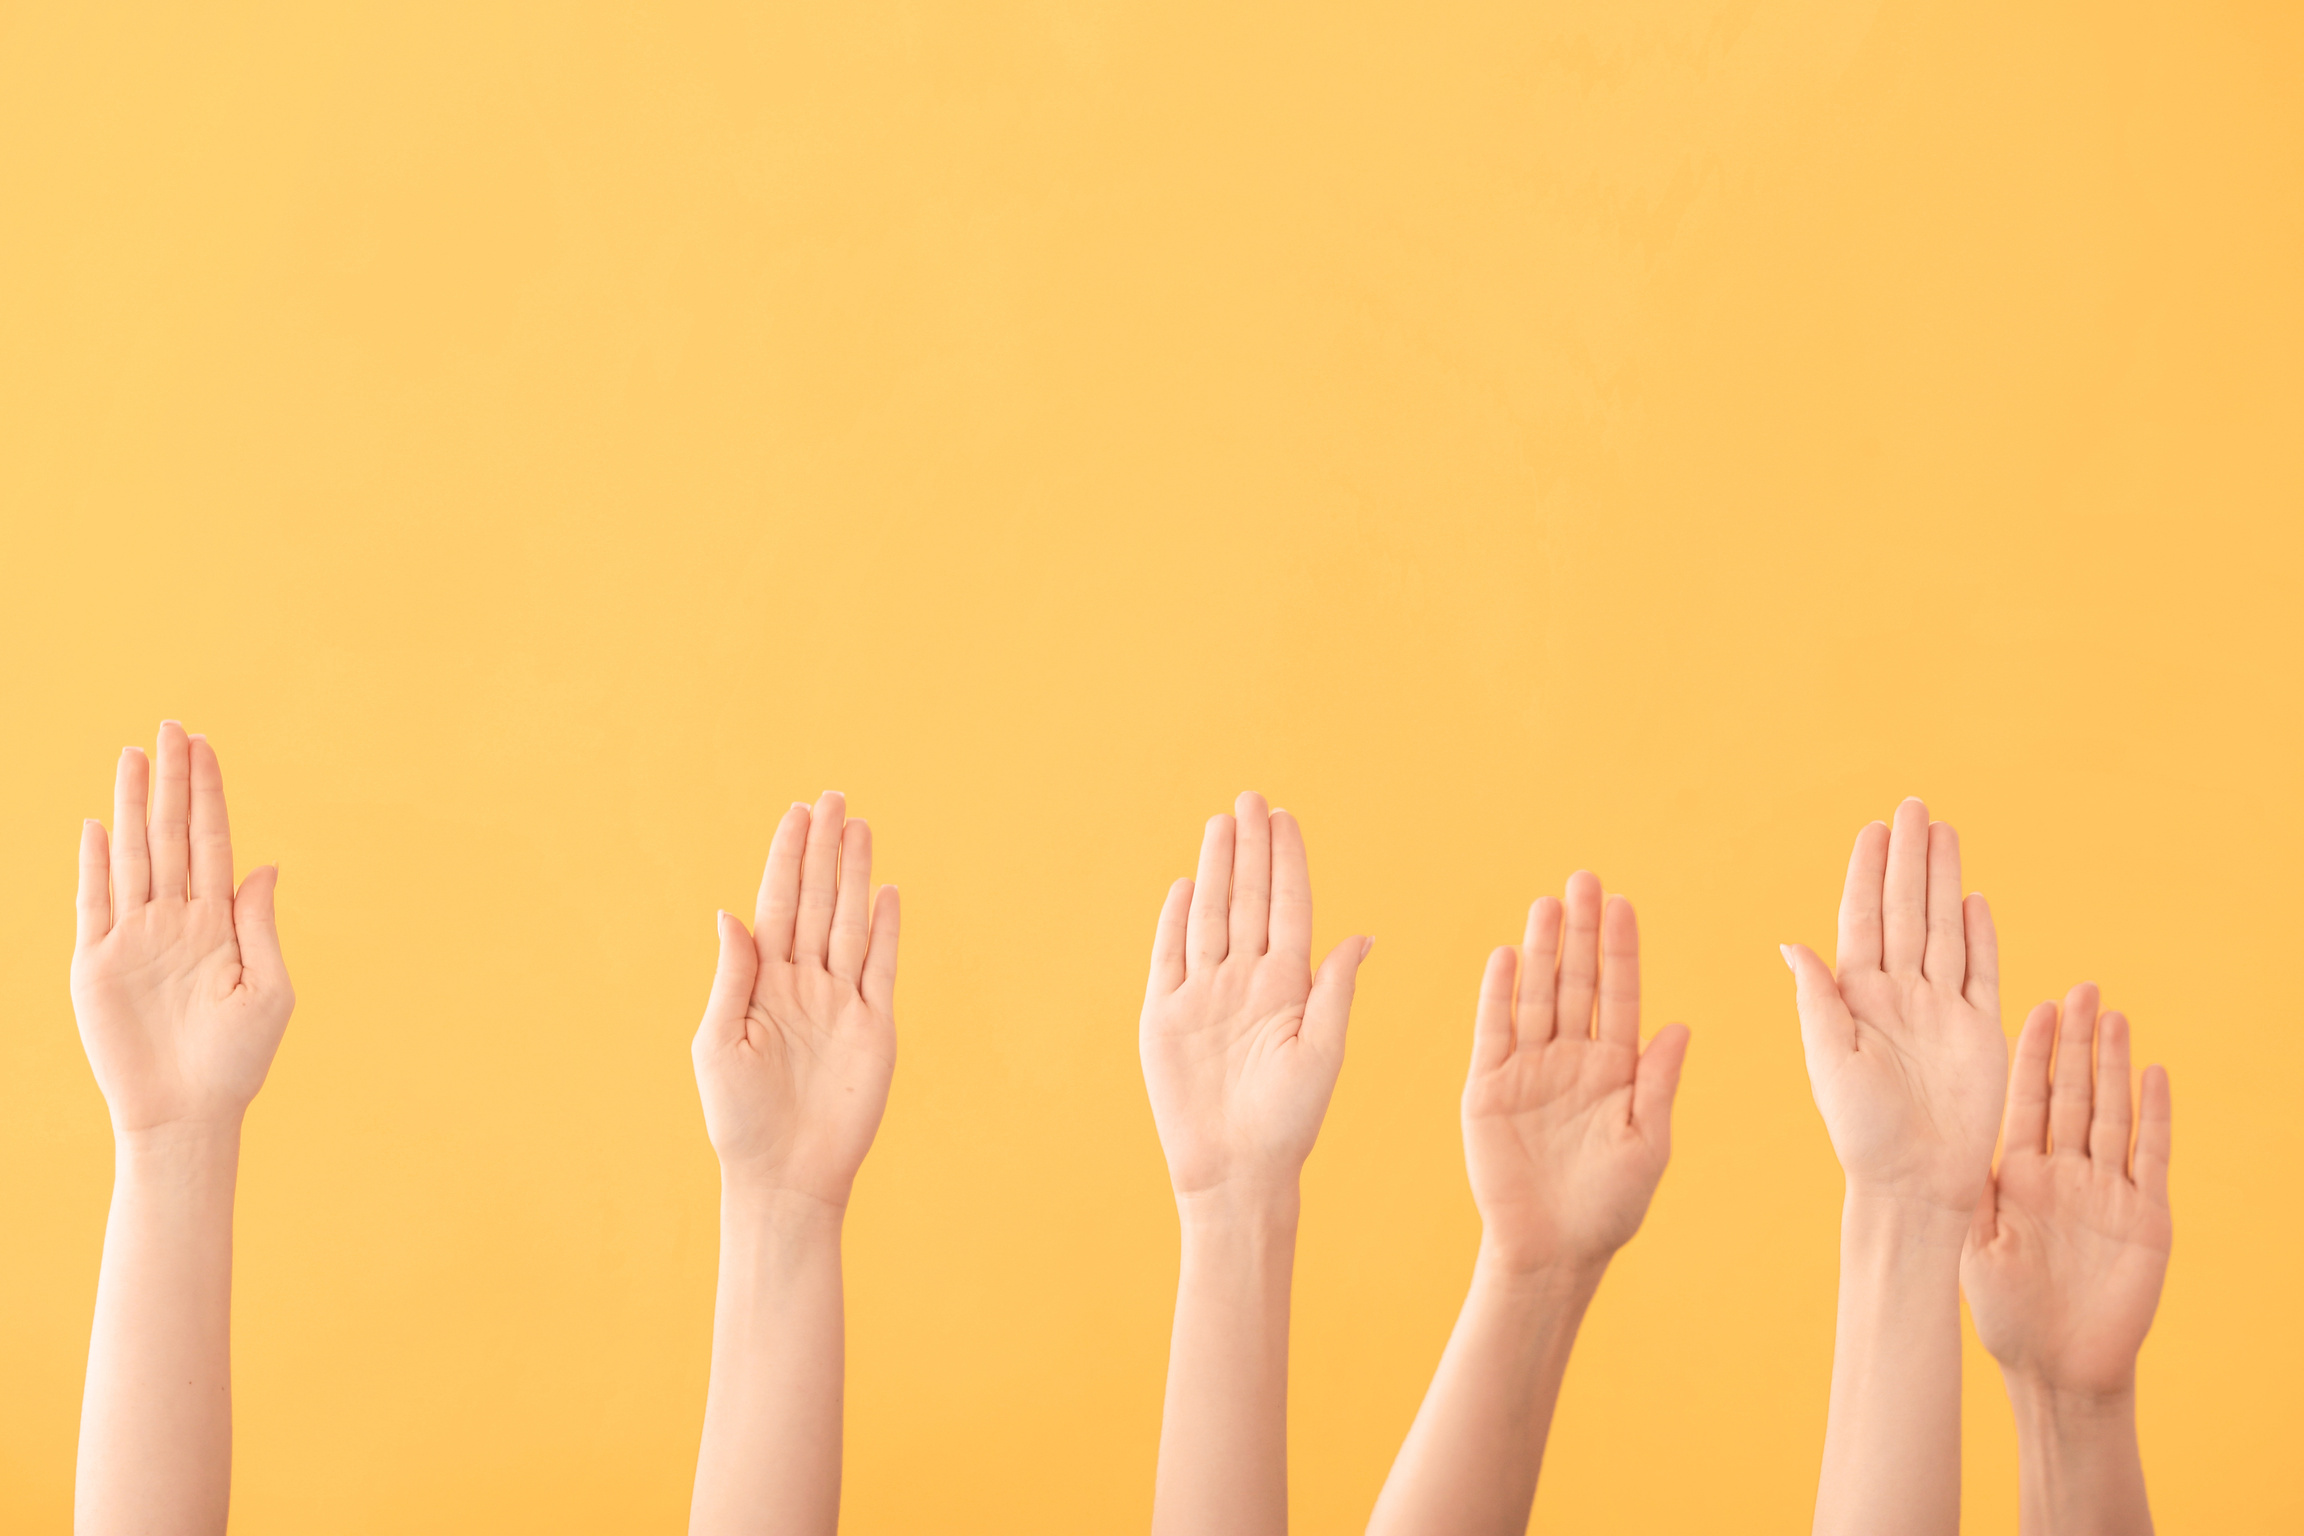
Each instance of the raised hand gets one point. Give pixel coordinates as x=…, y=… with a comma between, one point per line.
x=177, y=981
x=1567, y=1122
x=1240, y=1042
x=182, y=998
x=798, y=1042
x=793, y=1060
x=2064, y=1262
x=1905, y=1054
x=1907, y=1062
x=1567, y=1126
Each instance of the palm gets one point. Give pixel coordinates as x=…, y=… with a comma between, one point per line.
x=169, y=1026
x=2067, y=1288
x=1905, y=1054
x=1241, y=1044
x=1234, y=1082
x=2064, y=1262
x=1915, y=1105
x=177, y=981
x=798, y=1043
x=1566, y=1123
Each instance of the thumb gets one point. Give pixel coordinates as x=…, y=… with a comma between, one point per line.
x=1656, y=1079
x=1329, y=1007
x=731, y=985
x=1824, y=1018
x=253, y=927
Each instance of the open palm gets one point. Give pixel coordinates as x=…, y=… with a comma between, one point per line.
x=1567, y=1122
x=2064, y=1263
x=798, y=1042
x=1241, y=1044
x=177, y=980
x=1905, y=1055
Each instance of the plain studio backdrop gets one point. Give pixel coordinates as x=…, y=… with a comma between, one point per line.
x=539, y=442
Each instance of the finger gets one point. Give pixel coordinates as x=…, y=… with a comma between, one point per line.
x=1904, y=891
x=1579, y=955
x=819, y=879
x=1492, y=1019
x=852, y=906
x=1982, y=989
x=879, y=982
x=1945, y=960
x=2109, y=1121
x=1329, y=1008
x=171, y=807
x=1291, y=891
x=1620, y=974
x=1207, y=930
x=732, y=979
x=92, y=907
x=2024, y=1128
x=254, y=925
x=1824, y=1018
x=131, y=853
x=1539, y=973
x=2154, y=1125
x=1859, y=944
x=2069, y=1090
x=1168, y=941
x=1656, y=1080
x=778, y=906
x=1251, y=923
x=211, y=828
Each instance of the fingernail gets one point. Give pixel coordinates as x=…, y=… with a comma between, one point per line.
x=1786, y=951
x=1366, y=945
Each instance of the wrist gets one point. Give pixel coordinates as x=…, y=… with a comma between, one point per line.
x=1552, y=1282
x=1241, y=1204
x=770, y=1191
x=197, y=1140
x=2066, y=1411
x=1884, y=1221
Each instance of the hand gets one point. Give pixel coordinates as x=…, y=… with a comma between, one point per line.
x=177, y=980
x=1567, y=1128
x=1241, y=1043
x=1905, y=1054
x=798, y=1042
x=2064, y=1262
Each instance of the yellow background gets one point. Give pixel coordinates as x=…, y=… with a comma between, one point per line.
x=538, y=442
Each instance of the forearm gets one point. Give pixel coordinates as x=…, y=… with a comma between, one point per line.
x=1224, y=1428
x=1892, y=1441
x=2079, y=1470
x=770, y=1458
x=1469, y=1464
x=156, y=1423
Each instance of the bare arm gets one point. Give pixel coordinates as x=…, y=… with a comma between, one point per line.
x=2064, y=1265
x=1241, y=1045
x=793, y=1061
x=1567, y=1127
x=181, y=997
x=1907, y=1063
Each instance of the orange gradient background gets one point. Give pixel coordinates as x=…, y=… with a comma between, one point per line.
x=539, y=442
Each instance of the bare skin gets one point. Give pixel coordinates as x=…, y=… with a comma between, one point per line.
x=2064, y=1263
x=1908, y=1065
x=182, y=998
x=1241, y=1045
x=1567, y=1128
x=793, y=1060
